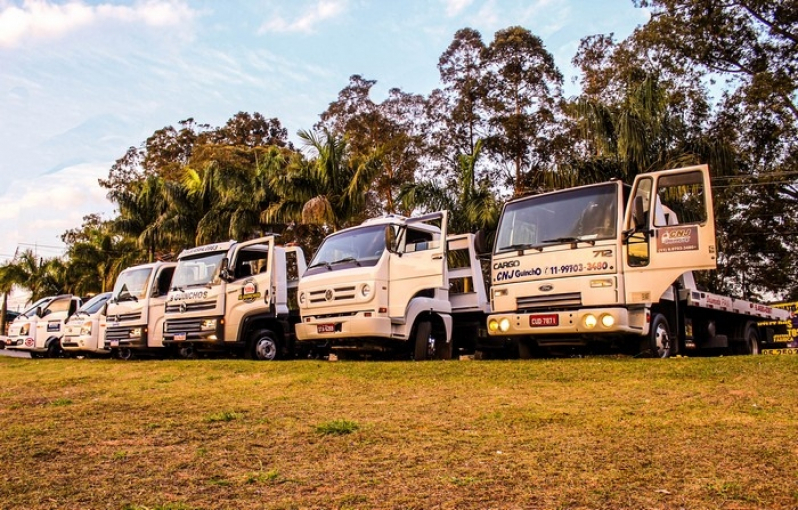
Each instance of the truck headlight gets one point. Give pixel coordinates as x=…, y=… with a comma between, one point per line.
x=590, y=321
x=607, y=320
x=504, y=325
x=85, y=329
x=135, y=333
x=365, y=290
x=493, y=325
x=208, y=324
x=23, y=330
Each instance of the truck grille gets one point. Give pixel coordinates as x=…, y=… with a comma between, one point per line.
x=191, y=307
x=119, y=317
x=335, y=294
x=549, y=302
x=120, y=333
x=182, y=325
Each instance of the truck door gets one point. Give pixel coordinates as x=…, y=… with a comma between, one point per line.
x=51, y=323
x=250, y=290
x=669, y=230
x=418, y=262
x=157, y=304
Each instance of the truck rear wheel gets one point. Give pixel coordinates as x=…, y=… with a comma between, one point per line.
x=660, y=342
x=263, y=346
x=751, y=340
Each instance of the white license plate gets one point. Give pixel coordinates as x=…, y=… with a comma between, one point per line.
x=114, y=343
x=179, y=337
x=325, y=328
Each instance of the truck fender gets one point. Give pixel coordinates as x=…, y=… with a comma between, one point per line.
x=418, y=306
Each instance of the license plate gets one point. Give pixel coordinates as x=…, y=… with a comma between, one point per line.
x=179, y=337
x=539, y=321
x=325, y=328
x=114, y=343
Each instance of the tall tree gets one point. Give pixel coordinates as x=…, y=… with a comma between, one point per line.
x=523, y=88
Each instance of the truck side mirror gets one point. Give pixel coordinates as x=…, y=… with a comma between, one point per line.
x=390, y=239
x=481, y=244
x=39, y=311
x=104, y=309
x=638, y=213
x=224, y=272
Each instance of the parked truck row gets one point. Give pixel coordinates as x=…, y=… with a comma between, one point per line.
x=591, y=268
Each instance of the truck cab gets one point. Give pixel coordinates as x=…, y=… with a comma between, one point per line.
x=235, y=297
x=135, y=311
x=84, y=332
x=608, y=264
x=384, y=288
x=38, y=330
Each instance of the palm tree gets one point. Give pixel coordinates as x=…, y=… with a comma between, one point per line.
x=140, y=213
x=42, y=277
x=472, y=205
x=331, y=190
x=94, y=264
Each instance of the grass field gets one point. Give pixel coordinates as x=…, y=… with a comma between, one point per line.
x=609, y=433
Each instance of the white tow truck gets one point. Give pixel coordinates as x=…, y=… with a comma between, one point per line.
x=38, y=330
x=235, y=297
x=395, y=286
x=84, y=331
x=134, y=315
x=609, y=265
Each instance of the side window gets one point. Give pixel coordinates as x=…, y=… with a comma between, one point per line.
x=59, y=305
x=163, y=282
x=418, y=240
x=681, y=200
x=251, y=261
x=638, y=250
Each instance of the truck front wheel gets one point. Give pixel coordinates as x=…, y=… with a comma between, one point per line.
x=660, y=342
x=54, y=349
x=751, y=339
x=430, y=342
x=263, y=346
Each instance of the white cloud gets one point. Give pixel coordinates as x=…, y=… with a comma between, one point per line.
x=37, y=211
x=320, y=11
x=455, y=7
x=44, y=19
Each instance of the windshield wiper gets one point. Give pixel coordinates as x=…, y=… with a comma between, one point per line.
x=322, y=263
x=519, y=247
x=570, y=239
x=345, y=259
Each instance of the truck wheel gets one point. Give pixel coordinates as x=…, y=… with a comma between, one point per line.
x=263, y=346
x=661, y=344
x=424, y=341
x=54, y=349
x=125, y=354
x=751, y=340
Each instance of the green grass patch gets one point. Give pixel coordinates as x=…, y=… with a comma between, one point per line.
x=337, y=427
x=603, y=432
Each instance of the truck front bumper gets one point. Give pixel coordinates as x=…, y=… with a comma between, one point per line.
x=339, y=328
x=589, y=321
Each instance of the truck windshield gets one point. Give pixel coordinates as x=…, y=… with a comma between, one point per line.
x=132, y=284
x=583, y=214
x=194, y=271
x=30, y=312
x=360, y=246
x=94, y=304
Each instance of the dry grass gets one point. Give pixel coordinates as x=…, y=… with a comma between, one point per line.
x=715, y=433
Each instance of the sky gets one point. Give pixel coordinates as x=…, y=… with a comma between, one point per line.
x=82, y=81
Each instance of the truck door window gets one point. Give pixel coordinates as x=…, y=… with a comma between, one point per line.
x=418, y=240
x=164, y=279
x=252, y=261
x=682, y=199
x=638, y=253
x=59, y=305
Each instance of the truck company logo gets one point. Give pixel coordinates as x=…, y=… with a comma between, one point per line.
x=249, y=292
x=506, y=264
x=546, y=288
x=677, y=239
x=29, y=342
x=189, y=294
x=182, y=307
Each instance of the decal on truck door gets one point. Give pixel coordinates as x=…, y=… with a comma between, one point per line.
x=677, y=239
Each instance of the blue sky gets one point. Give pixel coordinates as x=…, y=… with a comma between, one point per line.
x=81, y=81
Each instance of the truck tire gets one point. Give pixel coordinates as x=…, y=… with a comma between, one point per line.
x=125, y=354
x=54, y=348
x=660, y=342
x=430, y=341
x=263, y=346
x=751, y=343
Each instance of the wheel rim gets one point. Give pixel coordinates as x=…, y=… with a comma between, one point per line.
x=265, y=349
x=125, y=354
x=662, y=341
